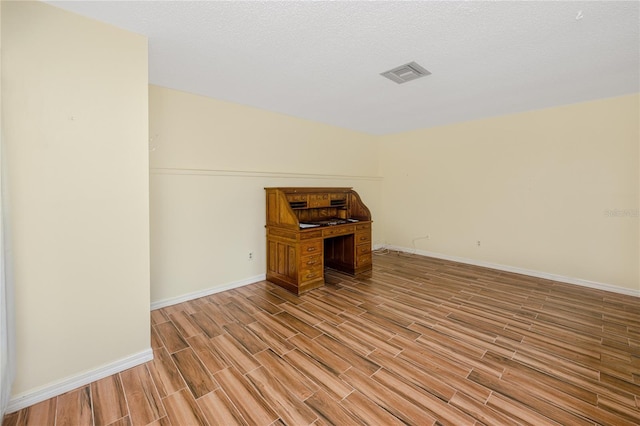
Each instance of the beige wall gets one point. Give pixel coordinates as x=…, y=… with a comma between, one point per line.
x=554, y=190
x=75, y=128
x=536, y=189
x=210, y=161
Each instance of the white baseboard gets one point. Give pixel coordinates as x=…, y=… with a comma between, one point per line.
x=43, y=393
x=514, y=269
x=190, y=296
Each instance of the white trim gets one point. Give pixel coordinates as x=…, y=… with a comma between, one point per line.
x=257, y=174
x=29, y=398
x=190, y=296
x=517, y=270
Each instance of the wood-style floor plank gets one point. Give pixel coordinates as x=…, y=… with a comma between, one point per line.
x=171, y=337
x=219, y=410
x=142, y=396
x=298, y=384
x=417, y=341
x=165, y=373
x=388, y=399
x=74, y=408
x=255, y=409
x=335, y=414
x=287, y=406
x=41, y=414
x=194, y=373
x=182, y=409
x=109, y=403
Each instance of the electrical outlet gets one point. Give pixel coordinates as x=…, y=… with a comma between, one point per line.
x=478, y=243
x=250, y=255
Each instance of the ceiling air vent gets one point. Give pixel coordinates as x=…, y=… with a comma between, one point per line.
x=406, y=72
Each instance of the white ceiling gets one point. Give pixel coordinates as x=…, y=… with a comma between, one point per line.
x=321, y=60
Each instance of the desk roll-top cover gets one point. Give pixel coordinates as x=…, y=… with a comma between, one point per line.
x=309, y=229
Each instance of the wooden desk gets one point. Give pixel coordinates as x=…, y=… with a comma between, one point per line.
x=339, y=235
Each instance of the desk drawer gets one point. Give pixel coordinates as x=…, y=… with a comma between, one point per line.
x=311, y=261
x=363, y=260
x=363, y=237
x=310, y=247
x=363, y=226
x=338, y=230
x=363, y=249
x=311, y=273
x=307, y=235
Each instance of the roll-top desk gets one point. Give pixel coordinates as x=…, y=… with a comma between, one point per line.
x=310, y=228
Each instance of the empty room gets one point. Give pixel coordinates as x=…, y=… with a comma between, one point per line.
x=319, y=212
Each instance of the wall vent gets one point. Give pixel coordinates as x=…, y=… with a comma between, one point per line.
x=406, y=72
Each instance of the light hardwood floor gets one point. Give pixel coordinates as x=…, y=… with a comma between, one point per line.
x=420, y=341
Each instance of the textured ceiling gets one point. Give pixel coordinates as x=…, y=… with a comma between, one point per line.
x=321, y=60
